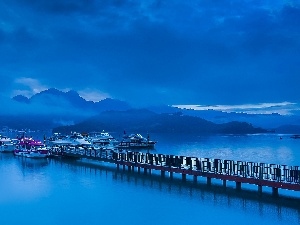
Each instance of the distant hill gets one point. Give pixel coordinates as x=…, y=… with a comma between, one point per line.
x=55, y=108
x=146, y=121
x=268, y=121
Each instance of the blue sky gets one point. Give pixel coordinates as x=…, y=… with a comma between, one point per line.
x=199, y=52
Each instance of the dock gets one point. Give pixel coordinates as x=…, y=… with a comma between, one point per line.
x=241, y=172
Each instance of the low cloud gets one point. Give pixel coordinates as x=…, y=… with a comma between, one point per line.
x=28, y=86
x=282, y=108
x=93, y=95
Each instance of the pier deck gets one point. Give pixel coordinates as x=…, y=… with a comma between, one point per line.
x=260, y=174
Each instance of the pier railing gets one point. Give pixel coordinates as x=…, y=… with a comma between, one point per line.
x=261, y=174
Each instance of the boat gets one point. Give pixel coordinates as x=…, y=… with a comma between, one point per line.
x=75, y=139
x=57, y=139
x=134, y=141
x=38, y=152
x=6, y=144
x=57, y=151
x=102, y=139
x=31, y=148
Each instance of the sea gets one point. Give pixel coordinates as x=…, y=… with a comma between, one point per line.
x=65, y=191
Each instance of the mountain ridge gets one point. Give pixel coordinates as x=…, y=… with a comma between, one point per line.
x=69, y=108
x=56, y=97
x=142, y=120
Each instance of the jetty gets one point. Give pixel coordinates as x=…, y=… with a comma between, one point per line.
x=241, y=172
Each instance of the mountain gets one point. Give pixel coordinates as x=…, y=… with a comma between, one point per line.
x=269, y=121
x=60, y=99
x=21, y=98
x=164, y=109
x=142, y=120
x=52, y=108
x=55, y=97
x=111, y=104
x=55, y=108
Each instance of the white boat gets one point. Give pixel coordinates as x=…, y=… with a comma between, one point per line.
x=20, y=152
x=60, y=142
x=57, y=140
x=38, y=152
x=135, y=141
x=6, y=144
x=102, y=139
x=77, y=139
x=74, y=139
x=30, y=148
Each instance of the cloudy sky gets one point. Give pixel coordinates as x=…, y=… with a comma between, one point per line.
x=179, y=52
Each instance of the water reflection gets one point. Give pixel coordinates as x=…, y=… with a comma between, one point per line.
x=285, y=209
x=33, y=164
x=28, y=184
x=25, y=179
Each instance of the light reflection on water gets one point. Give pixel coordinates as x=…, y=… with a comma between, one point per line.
x=256, y=148
x=51, y=191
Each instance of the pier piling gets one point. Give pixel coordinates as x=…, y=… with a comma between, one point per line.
x=238, y=186
x=275, y=192
x=183, y=177
x=208, y=181
x=260, y=174
x=224, y=183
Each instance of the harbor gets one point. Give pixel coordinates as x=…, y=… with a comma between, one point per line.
x=101, y=181
x=126, y=155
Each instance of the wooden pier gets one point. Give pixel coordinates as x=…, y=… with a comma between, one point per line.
x=240, y=172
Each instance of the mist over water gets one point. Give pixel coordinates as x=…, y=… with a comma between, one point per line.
x=52, y=191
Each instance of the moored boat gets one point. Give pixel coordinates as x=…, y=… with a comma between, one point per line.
x=6, y=144
x=39, y=153
x=30, y=148
x=102, y=139
x=75, y=139
x=134, y=141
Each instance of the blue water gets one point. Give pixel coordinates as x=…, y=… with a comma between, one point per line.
x=50, y=191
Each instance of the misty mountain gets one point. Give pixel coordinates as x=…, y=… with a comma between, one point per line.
x=52, y=108
x=21, y=99
x=59, y=99
x=272, y=121
x=143, y=120
x=163, y=109
x=55, y=97
x=268, y=121
x=58, y=108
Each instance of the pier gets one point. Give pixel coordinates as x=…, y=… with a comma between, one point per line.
x=241, y=172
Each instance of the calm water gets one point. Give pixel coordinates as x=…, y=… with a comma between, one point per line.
x=48, y=191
